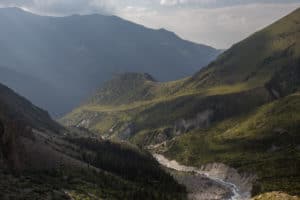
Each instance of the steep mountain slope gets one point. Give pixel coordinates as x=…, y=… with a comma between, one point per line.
x=16, y=108
x=39, y=159
x=78, y=53
x=242, y=110
x=256, y=59
x=124, y=89
x=273, y=74
x=264, y=142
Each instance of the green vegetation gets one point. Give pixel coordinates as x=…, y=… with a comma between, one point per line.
x=163, y=113
x=125, y=89
x=82, y=60
x=101, y=170
x=39, y=159
x=131, y=164
x=242, y=109
x=264, y=142
x=268, y=59
x=256, y=58
x=83, y=184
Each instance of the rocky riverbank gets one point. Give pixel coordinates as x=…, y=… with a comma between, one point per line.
x=210, y=182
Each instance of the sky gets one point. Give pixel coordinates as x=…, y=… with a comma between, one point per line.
x=218, y=23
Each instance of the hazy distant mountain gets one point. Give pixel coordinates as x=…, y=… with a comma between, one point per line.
x=37, y=90
x=77, y=53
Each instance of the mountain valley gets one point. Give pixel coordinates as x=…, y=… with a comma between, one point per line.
x=163, y=118
x=241, y=110
x=75, y=54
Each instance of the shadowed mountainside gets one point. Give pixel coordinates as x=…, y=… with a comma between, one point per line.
x=39, y=159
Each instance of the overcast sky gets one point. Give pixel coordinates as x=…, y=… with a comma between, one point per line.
x=219, y=23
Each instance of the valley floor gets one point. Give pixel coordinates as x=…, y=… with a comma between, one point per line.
x=206, y=184
x=214, y=182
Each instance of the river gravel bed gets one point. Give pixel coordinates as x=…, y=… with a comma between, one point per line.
x=210, y=182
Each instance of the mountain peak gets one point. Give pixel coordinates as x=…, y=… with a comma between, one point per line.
x=257, y=58
x=125, y=88
x=96, y=46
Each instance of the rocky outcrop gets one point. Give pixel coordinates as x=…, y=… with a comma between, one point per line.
x=275, y=196
x=231, y=175
x=202, y=120
x=86, y=120
x=219, y=174
x=127, y=131
x=200, y=187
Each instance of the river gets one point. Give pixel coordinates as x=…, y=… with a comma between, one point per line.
x=235, y=193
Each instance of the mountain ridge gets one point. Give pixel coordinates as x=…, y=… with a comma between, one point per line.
x=76, y=54
x=277, y=68
x=221, y=113
x=276, y=41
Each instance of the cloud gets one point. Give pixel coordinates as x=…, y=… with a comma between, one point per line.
x=185, y=2
x=218, y=27
x=63, y=7
x=66, y=7
x=169, y=2
x=219, y=3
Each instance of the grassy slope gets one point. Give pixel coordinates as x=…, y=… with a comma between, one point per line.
x=246, y=143
x=163, y=105
x=249, y=64
x=255, y=59
x=125, y=89
x=234, y=86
